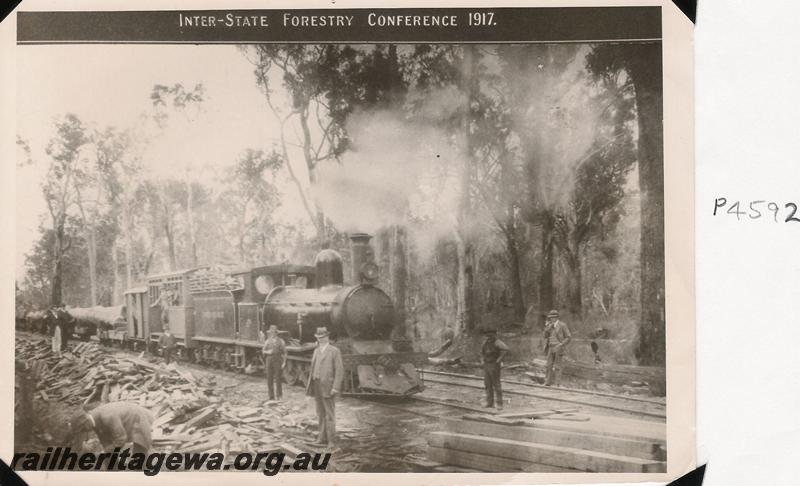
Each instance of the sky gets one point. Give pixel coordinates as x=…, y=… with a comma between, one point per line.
x=109, y=85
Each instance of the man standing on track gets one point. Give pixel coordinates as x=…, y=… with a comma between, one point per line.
x=324, y=383
x=492, y=353
x=556, y=338
x=274, y=351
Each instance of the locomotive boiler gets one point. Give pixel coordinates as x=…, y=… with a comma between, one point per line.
x=360, y=317
x=219, y=316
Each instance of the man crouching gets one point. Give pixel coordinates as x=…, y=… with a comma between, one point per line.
x=116, y=424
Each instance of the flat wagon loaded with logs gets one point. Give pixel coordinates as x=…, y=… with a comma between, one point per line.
x=219, y=316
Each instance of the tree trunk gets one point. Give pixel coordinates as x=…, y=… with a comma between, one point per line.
x=242, y=256
x=91, y=247
x=398, y=272
x=128, y=249
x=190, y=220
x=546, y=288
x=575, y=282
x=115, y=293
x=311, y=165
x=173, y=263
x=58, y=253
x=465, y=316
x=168, y=229
x=463, y=285
x=645, y=71
x=514, y=274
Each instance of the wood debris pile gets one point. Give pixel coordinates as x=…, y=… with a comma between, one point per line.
x=189, y=414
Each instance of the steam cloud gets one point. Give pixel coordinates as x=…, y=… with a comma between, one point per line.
x=398, y=172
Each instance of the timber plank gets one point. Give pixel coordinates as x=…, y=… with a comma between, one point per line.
x=489, y=463
x=622, y=446
x=551, y=455
x=611, y=426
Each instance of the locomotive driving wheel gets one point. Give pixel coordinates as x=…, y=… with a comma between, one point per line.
x=290, y=372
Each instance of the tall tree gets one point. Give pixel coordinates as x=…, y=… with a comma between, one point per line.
x=168, y=100
x=312, y=78
x=119, y=164
x=250, y=199
x=58, y=188
x=500, y=180
x=600, y=177
x=642, y=63
x=538, y=78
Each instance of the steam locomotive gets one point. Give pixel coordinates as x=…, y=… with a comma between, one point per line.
x=219, y=316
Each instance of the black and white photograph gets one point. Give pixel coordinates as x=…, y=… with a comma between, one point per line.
x=347, y=257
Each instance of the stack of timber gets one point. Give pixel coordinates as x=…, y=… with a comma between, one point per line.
x=189, y=416
x=550, y=441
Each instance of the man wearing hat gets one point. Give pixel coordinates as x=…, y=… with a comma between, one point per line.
x=492, y=353
x=167, y=344
x=324, y=383
x=274, y=352
x=556, y=338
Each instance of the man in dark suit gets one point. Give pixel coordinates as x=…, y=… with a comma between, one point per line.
x=275, y=355
x=493, y=351
x=167, y=344
x=324, y=383
x=116, y=424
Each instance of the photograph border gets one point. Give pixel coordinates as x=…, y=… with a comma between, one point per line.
x=677, y=48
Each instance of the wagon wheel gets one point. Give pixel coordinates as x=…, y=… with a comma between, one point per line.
x=290, y=372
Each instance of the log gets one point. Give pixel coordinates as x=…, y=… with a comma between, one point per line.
x=567, y=457
x=441, y=361
x=642, y=449
x=620, y=374
x=104, y=316
x=489, y=463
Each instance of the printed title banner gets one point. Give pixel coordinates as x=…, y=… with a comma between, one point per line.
x=402, y=25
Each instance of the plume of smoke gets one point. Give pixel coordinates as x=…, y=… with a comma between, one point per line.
x=398, y=172
x=556, y=114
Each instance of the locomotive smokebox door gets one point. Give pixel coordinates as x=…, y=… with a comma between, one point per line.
x=369, y=273
x=362, y=254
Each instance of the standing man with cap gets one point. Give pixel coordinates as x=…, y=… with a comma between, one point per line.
x=556, y=338
x=492, y=353
x=167, y=344
x=324, y=383
x=275, y=354
x=116, y=424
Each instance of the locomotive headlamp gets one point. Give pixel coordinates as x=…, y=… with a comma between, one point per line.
x=369, y=272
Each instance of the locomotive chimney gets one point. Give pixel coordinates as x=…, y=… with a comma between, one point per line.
x=361, y=253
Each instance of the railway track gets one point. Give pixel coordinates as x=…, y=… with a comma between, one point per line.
x=645, y=408
x=425, y=406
